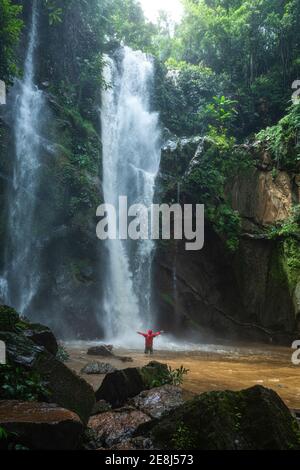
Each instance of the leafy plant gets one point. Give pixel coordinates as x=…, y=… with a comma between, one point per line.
x=8, y=441
x=220, y=114
x=3, y=434
x=176, y=376
x=289, y=227
x=183, y=438
x=11, y=26
x=283, y=140
x=170, y=377
x=20, y=384
x=55, y=12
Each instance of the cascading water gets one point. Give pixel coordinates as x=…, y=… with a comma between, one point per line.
x=21, y=277
x=131, y=158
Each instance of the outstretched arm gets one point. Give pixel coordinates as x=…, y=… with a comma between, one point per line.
x=142, y=334
x=158, y=333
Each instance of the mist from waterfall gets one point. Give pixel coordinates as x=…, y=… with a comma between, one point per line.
x=131, y=159
x=21, y=277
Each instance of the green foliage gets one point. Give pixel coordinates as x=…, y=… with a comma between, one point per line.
x=8, y=441
x=254, y=43
x=183, y=92
x=220, y=115
x=287, y=228
x=291, y=257
x=10, y=29
x=227, y=223
x=17, y=383
x=207, y=181
x=288, y=231
x=283, y=140
x=127, y=24
x=8, y=319
x=3, y=434
x=183, y=438
x=170, y=377
x=55, y=13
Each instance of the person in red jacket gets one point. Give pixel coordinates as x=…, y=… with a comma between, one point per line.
x=149, y=337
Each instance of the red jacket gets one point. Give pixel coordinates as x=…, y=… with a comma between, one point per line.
x=149, y=337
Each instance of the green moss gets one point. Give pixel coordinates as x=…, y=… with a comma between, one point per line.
x=9, y=319
x=184, y=437
x=291, y=260
x=282, y=140
x=154, y=374
x=277, y=273
x=251, y=419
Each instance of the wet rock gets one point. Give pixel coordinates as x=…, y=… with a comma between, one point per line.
x=117, y=387
x=100, y=407
x=260, y=197
x=154, y=373
x=42, y=336
x=98, y=368
x=11, y=322
x=66, y=388
x=103, y=350
x=123, y=384
x=160, y=400
x=124, y=358
x=255, y=418
x=115, y=427
x=138, y=443
x=40, y=426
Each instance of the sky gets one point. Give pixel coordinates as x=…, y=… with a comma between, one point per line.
x=152, y=7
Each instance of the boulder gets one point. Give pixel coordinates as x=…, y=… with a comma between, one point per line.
x=124, y=358
x=115, y=427
x=159, y=400
x=66, y=388
x=253, y=419
x=100, y=407
x=11, y=322
x=154, y=374
x=103, y=350
x=40, y=426
x=98, y=368
x=117, y=387
x=106, y=350
x=42, y=336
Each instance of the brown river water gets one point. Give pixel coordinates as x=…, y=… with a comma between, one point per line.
x=233, y=368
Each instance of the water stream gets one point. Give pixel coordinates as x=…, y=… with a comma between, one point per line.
x=21, y=277
x=131, y=158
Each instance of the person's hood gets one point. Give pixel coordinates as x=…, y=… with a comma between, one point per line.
x=150, y=332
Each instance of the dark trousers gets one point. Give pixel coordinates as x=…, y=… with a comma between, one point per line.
x=149, y=350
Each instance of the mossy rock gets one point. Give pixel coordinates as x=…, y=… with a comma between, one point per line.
x=253, y=419
x=9, y=318
x=65, y=387
x=154, y=373
x=121, y=385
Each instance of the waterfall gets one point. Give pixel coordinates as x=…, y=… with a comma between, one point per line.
x=131, y=158
x=21, y=277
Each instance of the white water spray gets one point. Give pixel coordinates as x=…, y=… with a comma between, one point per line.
x=131, y=158
x=22, y=263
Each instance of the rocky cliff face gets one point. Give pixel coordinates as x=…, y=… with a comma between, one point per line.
x=70, y=188
x=252, y=293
